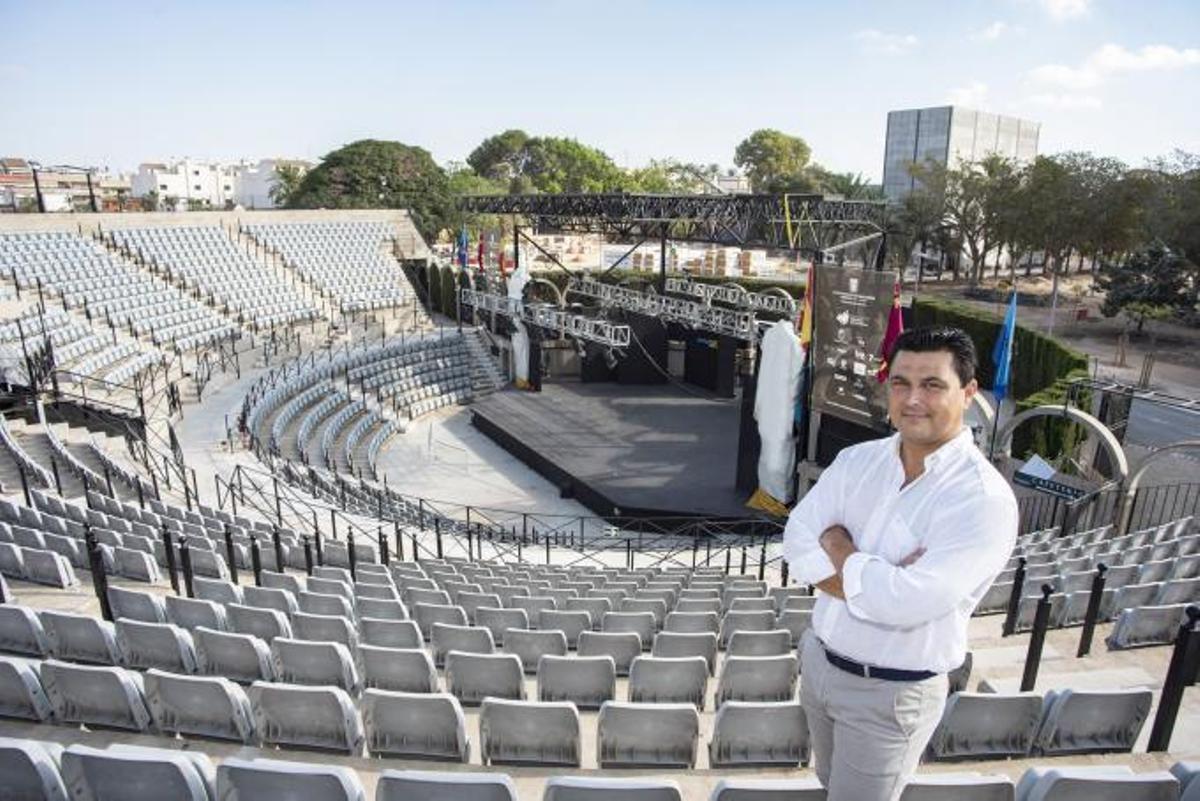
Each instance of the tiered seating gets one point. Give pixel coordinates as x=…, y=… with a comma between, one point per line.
x=1152, y=575
x=88, y=276
x=419, y=375
x=78, y=352
x=206, y=259
x=348, y=261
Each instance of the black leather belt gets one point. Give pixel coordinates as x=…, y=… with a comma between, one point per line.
x=872, y=672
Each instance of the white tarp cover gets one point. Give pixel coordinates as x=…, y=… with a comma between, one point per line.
x=520, y=338
x=775, y=409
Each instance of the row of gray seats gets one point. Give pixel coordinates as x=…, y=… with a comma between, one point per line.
x=43, y=771
x=396, y=724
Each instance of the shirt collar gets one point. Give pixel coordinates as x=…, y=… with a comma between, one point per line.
x=943, y=454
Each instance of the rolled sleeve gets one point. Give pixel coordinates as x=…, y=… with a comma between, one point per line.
x=816, y=511
x=852, y=574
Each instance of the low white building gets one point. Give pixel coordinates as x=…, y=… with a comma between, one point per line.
x=190, y=183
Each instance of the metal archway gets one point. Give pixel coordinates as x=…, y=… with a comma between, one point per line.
x=559, y=297
x=986, y=411
x=783, y=293
x=1110, y=444
x=1125, y=513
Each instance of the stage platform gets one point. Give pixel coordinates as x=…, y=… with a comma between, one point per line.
x=630, y=450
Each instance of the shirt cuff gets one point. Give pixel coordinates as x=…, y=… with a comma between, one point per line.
x=852, y=570
x=812, y=567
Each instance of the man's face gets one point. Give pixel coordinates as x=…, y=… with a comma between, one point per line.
x=926, y=400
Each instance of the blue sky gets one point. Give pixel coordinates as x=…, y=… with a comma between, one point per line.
x=117, y=83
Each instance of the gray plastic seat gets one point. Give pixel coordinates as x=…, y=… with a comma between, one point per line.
x=316, y=583
x=571, y=623
x=768, y=790
x=623, y=647
x=136, y=605
x=1146, y=625
x=270, y=598
x=309, y=717
x=380, y=609
x=420, y=785
x=322, y=603
x=373, y=591
x=640, y=623
x=499, y=620
x=31, y=770
x=530, y=646
x=469, y=639
x=668, y=680
x=529, y=733
x=586, y=681
x=763, y=620
x=415, y=725
x=21, y=631
x=655, y=606
x=1083, y=722
x=757, y=678
x=202, y=706
x=401, y=669
x=314, y=663
x=753, y=733
x=680, y=644
x=155, y=645
x=325, y=628
x=579, y=788
x=21, y=693
x=105, y=697
x=473, y=677
x=192, y=613
x=243, y=658
x=136, y=773
x=136, y=565
x=390, y=633
x=795, y=622
x=986, y=726
x=1027, y=609
x=217, y=590
x=470, y=601
x=1179, y=591
x=1134, y=595
x=692, y=622
x=647, y=735
x=282, y=581
x=428, y=614
x=419, y=595
x=695, y=606
x=48, y=567
x=760, y=643
x=596, y=607
x=1095, y=782
x=275, y=780
x=80, y=638
x=266, y=624
x=958, y=787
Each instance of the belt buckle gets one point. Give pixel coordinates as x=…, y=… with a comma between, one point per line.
x=866, y=671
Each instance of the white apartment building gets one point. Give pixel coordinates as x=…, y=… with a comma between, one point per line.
x=950, y=135
x=190, y=182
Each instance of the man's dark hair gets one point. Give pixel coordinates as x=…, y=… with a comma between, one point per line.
x=954, y=341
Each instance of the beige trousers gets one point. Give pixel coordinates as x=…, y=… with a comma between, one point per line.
x=867, y=735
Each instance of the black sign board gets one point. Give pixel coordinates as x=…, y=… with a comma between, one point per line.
x=850, y=315
x=1049, y=486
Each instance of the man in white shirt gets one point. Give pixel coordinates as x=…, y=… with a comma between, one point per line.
x=901, y=536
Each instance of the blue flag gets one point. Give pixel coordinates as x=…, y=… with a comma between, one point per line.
x=1002, y=353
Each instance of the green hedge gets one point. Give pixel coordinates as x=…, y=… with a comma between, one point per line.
x=1042, y=371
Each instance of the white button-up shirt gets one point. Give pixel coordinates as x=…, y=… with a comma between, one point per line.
x=961, y=510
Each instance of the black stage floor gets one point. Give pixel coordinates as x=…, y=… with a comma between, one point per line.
x=642, y=450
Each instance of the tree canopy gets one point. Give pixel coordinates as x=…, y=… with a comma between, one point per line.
x=374, y=174
x=775, y=161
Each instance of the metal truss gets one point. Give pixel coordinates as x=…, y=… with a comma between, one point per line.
x=807, y=223
x=588, y=329
x=734, y=295
x=731, y=322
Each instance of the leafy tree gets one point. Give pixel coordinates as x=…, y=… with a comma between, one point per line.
x=374, y=174
x=1152, y=285
x=287, y=180
x=500, y=157
x=850, y=185
x=775, y=161
x=554, y=164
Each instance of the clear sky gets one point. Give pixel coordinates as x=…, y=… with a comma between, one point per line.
x=116, y=83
